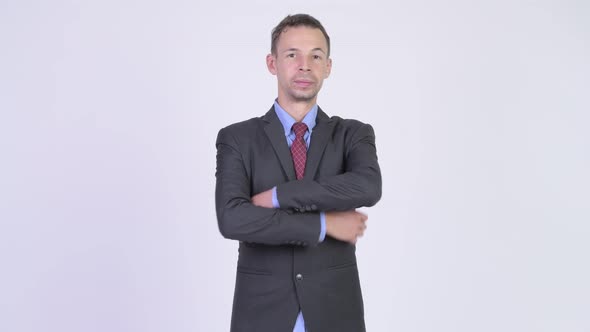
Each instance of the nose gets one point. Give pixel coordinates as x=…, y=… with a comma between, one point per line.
x=304, y=64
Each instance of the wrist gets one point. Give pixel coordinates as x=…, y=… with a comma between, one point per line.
x=328, y=219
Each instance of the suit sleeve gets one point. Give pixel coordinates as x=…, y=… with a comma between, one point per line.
x=239, y=219
x=359, y=185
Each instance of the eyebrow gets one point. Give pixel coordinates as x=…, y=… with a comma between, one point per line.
x=296, y=49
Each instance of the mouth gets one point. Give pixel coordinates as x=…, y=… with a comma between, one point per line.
x=303, y=83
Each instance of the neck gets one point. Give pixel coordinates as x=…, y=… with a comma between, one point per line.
x=297, y=109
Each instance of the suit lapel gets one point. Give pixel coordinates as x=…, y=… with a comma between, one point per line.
x=319, y=139
x=274, y=130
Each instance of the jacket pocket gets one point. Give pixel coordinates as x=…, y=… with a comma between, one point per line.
x=342, y=266
x=249, y=270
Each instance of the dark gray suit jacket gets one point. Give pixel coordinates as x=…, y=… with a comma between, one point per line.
x=281, y=266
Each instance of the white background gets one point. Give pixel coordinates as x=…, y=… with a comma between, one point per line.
x=109, y=112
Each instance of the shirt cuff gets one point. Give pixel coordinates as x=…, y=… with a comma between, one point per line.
x=323, y=226
x=275, y=200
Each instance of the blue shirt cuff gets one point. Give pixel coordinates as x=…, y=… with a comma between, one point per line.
x=323, y=226
x=275, y=200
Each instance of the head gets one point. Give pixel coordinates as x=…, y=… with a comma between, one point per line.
x=295, y=21
x=300, y=58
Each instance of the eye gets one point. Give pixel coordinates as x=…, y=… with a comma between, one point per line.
x=317, y=57
x=291, y=55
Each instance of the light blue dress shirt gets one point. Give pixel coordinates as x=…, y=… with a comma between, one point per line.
x=287, y=121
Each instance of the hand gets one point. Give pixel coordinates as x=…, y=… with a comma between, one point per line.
x=263, y=199
x=346, y=226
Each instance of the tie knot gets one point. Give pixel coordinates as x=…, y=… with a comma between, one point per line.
x=299, y=129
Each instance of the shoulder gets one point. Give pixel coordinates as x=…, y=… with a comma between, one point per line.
x=349, y=123
x=342, y=123
x=245, y=125
x=239, y=130
x=352, y=127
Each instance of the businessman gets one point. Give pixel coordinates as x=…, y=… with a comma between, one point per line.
x=288, y=184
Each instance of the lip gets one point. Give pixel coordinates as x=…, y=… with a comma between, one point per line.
x=303, y=82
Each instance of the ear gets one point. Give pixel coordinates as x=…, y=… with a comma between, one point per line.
x=271, y=64
x=328, y=68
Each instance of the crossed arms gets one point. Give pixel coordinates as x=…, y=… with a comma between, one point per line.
x=245, y=218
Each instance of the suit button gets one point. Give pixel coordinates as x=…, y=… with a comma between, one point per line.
x=314, y=207
x=307, y=208
x=299, y=277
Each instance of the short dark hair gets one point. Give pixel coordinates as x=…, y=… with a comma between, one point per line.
x=295, y=21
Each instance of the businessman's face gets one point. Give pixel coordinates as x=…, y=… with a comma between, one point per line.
x=301, y=63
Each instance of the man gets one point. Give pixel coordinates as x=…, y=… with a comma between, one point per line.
x=288, y=184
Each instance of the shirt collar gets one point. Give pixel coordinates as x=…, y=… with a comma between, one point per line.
x=287, y=120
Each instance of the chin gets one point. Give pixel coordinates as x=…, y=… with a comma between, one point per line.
x=304, y=96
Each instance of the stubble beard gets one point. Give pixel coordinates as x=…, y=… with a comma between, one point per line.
x=304, y=96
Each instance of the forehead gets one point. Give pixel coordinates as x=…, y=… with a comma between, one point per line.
x=302, y=37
